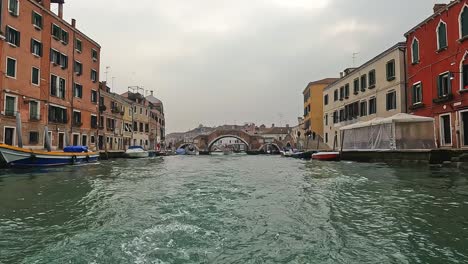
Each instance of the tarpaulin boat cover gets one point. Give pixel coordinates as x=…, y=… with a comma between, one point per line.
x=398, y=132
x=75, y=149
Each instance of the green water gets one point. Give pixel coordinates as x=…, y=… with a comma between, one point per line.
x=234, y=209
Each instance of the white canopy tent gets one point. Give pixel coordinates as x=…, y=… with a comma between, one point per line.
x=398, y=132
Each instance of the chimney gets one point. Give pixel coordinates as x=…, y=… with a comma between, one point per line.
x=46, y=4
x=151, y=93
x=287, y=125
x=60, y=10
x=272, y=125
x=341, y=74
x=439, y=7
x=73, y=23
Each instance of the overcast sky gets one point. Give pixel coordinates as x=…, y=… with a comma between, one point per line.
x=234, y=61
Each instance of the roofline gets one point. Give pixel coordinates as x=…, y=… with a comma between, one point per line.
x=65, y=22
x=399, y=45
x=322, y=81
x=442, y=10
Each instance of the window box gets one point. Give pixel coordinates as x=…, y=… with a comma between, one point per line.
x=441, y=49
x=391, y=78
x=443, y=99
x=372, y=87
x=416, y=106
x=356, y=93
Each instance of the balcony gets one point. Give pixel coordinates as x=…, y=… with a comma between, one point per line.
x=115, y=110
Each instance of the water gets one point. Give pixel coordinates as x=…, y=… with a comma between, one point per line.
x=234, y=209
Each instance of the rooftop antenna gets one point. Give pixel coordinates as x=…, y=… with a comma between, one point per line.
x=355, y=58
x=107, y=71
x=113, y=78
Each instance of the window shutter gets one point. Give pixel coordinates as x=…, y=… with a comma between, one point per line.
x=439, y=86
x=464, y=22
x=40, y=49
x=19, y=38
x=32, y=46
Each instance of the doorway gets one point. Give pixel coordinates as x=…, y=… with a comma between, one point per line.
x=9, y=136
x=445, y=130
x=464, y=127
x=61, y=140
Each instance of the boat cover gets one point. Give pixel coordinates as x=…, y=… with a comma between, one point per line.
x=135, y=147
x=75, y=149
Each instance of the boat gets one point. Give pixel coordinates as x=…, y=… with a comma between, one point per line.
x=181, y=151
x=306, y=155
x=21, y=157
x=326, y=156
x=136, y=152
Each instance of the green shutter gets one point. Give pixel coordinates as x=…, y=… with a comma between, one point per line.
x=464, y=22
x=442, y=34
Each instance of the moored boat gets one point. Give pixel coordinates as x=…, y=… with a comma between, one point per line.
x=136, y=152
x=21, y=157
x=326, y=156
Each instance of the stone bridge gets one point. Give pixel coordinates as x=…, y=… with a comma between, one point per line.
x=206, y=142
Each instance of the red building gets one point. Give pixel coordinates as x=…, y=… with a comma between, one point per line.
x=437, y=64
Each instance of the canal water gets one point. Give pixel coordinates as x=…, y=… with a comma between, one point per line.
x=234, y=209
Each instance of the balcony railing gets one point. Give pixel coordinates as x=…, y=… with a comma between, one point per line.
x=10, y=113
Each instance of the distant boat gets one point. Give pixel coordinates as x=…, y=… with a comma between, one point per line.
x=21, y=157
x=326, y=156
x=307, y=155
x=136, y=152
x=181, y=151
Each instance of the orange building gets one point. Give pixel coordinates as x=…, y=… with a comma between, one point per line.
x=313, y=106
x=50, y=76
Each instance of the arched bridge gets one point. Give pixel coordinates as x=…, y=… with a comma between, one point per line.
x=206, y=142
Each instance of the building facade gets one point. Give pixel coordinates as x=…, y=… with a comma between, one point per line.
x=51, y=73
x=437, y=61
x=313, y=105
x=375, y=89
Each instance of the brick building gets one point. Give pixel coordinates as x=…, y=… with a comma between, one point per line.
x=51, y=73
x=437, y=62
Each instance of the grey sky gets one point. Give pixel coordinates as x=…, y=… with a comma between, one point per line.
x=226, y=61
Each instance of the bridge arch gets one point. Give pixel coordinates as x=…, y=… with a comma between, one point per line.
x=271, y=144
x=184, y=145
x=212, y=142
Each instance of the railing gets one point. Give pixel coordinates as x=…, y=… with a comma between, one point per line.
x=10, y=113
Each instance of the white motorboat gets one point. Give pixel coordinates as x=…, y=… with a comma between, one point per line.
x=136, y=152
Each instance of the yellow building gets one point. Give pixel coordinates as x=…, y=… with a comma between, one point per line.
x=313, y=105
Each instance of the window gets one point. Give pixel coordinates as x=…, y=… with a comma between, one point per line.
x=325, y=99
x=33, y=137
x=78, y=90
x=78, y=45
x=57, y=114
x=335, y=95
x=417, y=93
x=141, y=127
x=84, y=140
x=335, y=117
x=94, y=123
x=75, y=139
x=94, y=54
x=94, y=96
x=391, y=70
x=57, y=86
x=78, y=68
x=326, y=137
x=371, y=79
x=372, y=106
x=346, y=91
x=391, y=101
x=13, y=7
x=35, y=76
x=54, y=56
x=37, y=20
x=442, y=36
x=342, y=115
x=77, y=118
x=445, y=130
x=326, y=119
x=464, y=22
x=36, y=47
x=356, y=86
x=93, y=140
x=10, y=105
x=64, y=37
x=63, y=61
x=94, y=75
x=443, y=85
x=363, y=108
x=465, y=77
x=146, y=128
x=56, y=32
x=34, y=110
x=342, y=94
x=363, y=83
x=13, y=36
x=415, y=51
x=11, y=68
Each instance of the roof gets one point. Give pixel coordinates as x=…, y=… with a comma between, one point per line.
x=435, y=14
x=276, y=130
x=153, y=100
x=322, y=81
x=399, y=45
x=398, y=118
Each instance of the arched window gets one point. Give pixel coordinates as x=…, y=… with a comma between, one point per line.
x=415, y=51
x=441, y=35
x=464, y=22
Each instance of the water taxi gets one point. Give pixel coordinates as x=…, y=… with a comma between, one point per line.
x=136, y=152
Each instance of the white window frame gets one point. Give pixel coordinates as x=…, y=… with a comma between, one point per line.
x=9, y=8
x=84, y=135
x=61, y=35
x=39, y=76
x=437, y=34
x=412, y=87
x=412, y=51
x=79, y=138
x=42, y=19
x=74, y=86
x=368, y=105
x=76, y=46
x=16, y=68
x=97, y=54
x=14, y=134
x=38, y=108
x=79, y=62
x=441, y=131
x=52, y=30
x=449, y=89
x=463, y=144
x=16, y=102
x=37, y=55
x=396, y=103
x=465, y=56
x=9, y=43
x=92, y=75
x=459, y=21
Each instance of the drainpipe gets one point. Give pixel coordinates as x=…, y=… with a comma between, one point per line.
x=405, y=71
